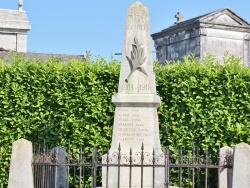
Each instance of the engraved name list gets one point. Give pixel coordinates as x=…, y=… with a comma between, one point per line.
x=131, y=127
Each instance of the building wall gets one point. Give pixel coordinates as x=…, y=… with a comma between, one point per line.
x=8, y=41
x=217, y=42
x=13, y=42
x=203, y=41
x=175, y=46
x=14, y=26
x=21, y=42
x=247, y=45
x=176, y=51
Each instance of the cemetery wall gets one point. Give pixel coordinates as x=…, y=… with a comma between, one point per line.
x=39, y=56
x=202, y=104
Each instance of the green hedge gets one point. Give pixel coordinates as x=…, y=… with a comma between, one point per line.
x=57, y=102
x=204, y=104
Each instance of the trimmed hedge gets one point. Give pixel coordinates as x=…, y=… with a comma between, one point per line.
x=203, y=104
x=57, y=102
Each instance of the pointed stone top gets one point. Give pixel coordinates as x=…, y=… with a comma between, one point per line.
x=137, y=5
x=138, y=8
x=137, y=76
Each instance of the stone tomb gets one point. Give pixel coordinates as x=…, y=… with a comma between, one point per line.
x=136, y=103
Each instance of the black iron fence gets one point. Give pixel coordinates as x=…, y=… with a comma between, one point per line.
x=60, y=168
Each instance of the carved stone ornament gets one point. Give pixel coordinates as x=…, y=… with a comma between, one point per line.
x=137, y=59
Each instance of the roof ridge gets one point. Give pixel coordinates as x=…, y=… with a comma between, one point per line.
x=199, y=19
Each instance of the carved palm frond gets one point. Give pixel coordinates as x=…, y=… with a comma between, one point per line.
x=137, y=59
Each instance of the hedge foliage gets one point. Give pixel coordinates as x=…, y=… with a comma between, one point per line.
x=56, y=101
x=203, y=103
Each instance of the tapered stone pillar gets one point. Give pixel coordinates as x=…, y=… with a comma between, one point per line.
x=136, y=103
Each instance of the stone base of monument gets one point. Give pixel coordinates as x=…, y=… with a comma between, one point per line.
x=135, y=178
x=125, y=174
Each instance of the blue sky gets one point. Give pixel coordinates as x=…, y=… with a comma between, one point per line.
x=73, y=27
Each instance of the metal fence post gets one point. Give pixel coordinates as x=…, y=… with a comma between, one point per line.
x=94, y=167
x=166, y=166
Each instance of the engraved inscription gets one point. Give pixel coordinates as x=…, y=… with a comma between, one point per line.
x=138, y=27
x=131, y=127
x=137, y=21
x=139, y=87
x=139, y=17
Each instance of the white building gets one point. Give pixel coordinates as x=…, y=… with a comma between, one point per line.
x=213, y=33
x=14, y=26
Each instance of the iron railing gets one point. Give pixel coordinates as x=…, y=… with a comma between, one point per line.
x=66, y=169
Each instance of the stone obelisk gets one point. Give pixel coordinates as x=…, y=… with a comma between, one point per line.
x=136, y=103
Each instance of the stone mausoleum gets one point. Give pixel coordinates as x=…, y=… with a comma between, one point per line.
x=213, y=33
x=14, y=26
